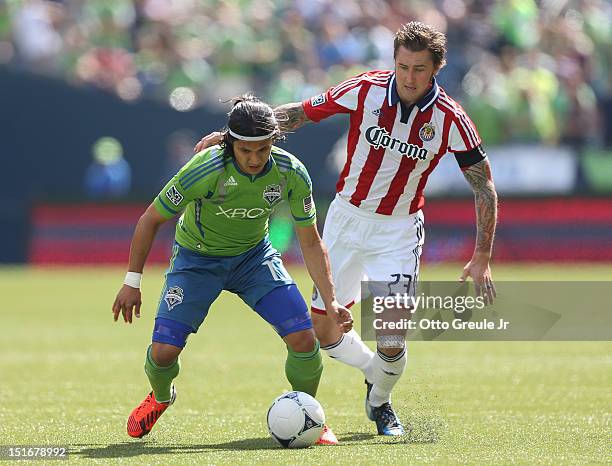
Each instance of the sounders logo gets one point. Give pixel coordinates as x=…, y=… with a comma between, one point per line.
x=379, y=137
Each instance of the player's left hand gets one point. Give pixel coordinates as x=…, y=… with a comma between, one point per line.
x=341, y=316
x=478, y=268
x=208, y=140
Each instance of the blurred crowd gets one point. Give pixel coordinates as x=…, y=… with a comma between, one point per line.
x=526, y=70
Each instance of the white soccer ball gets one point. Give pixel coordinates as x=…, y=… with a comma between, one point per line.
x=295, y=420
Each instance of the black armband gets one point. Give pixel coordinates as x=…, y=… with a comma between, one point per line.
x=470, y=157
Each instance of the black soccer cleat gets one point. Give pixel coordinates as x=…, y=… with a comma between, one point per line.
x=387, y=422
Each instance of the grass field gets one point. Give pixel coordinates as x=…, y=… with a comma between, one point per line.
x=70, y=376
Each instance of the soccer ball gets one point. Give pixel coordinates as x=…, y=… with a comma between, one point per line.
x=295, y=420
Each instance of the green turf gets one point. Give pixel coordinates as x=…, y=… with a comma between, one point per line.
x=69, y=376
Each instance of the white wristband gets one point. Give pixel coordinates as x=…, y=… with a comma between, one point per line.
x=133, y=279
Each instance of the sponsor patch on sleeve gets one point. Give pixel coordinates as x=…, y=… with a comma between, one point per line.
x=308, y=204
x=174, y=196
x=318, y=100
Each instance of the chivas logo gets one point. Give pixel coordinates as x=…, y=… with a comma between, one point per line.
x=272, y=193
x=427, y=132
x=174, y=296
x=379, y=137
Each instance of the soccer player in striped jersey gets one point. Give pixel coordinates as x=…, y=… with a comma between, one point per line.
x=226, y=194
x=402, y=123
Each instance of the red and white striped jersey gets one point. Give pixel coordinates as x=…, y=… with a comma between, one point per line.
x=392, y=148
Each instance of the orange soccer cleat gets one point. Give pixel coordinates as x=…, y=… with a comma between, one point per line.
x=146, y=414
x=327, y=437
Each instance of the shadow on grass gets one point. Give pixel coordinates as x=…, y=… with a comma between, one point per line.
x=411, y=437
x=422, y=430
x=137, y=448
x=419, y=430
x=355, y=437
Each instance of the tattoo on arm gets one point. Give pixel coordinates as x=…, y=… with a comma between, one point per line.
x=479, y=177
x=291, y=116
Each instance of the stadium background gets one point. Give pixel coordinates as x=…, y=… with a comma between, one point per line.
x=103, y=100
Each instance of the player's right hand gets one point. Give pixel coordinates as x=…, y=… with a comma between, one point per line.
x=342, y=317
x=127, y=302
x=346, y=319
x=208, y=140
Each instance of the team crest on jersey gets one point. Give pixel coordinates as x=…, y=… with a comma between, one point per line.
x=427, y=132
x=272, y=193
x=173, y=195
x=318, y=100
x=174, y=296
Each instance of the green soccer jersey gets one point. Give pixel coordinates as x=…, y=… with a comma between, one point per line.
x=226, y=211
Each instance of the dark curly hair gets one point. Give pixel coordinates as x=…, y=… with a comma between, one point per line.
x=249, y=116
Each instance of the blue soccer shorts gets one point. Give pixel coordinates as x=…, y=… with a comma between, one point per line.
x=258, y=276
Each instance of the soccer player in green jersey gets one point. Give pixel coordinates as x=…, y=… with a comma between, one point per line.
x=226, y=194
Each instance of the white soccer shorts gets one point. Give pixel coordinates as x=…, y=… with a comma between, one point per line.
x=368, y=246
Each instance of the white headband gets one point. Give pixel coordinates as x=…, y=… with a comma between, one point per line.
x=251, y=138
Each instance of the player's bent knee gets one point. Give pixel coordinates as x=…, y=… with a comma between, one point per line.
x=164, y=355
x=303, y=341
x=169, y=339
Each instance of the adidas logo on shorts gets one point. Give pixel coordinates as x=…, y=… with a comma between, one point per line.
x=230, y=182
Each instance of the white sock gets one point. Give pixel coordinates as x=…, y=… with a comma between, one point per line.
x=351, y=350
x=387, y=370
